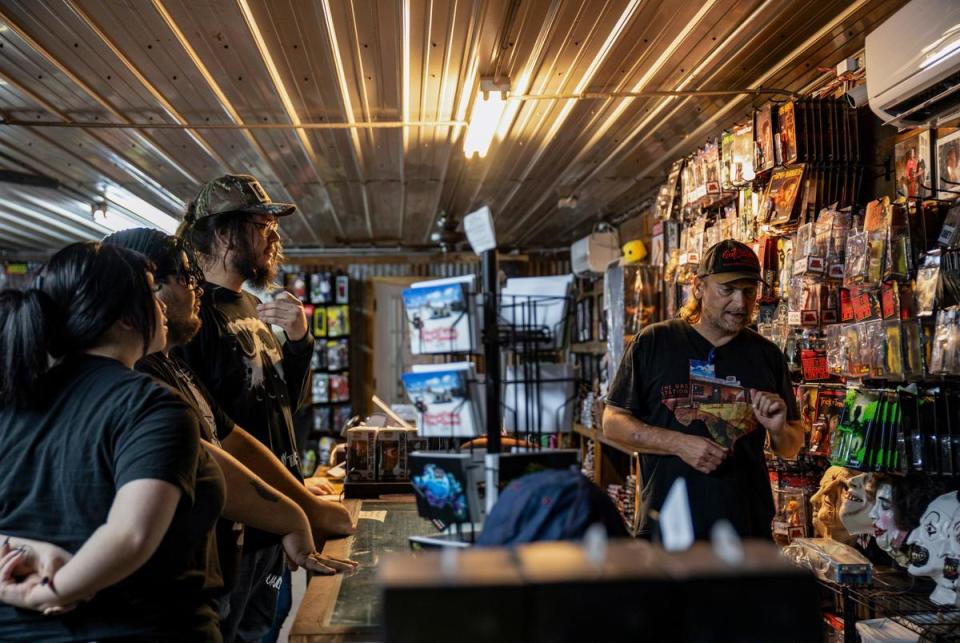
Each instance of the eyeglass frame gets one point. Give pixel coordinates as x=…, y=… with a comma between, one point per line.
x=266, y=228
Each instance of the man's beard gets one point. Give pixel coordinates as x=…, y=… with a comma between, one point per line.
x=723, y=324
x=255, y=268
x=182, y=330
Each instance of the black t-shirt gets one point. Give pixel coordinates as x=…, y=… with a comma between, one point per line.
x=100, y=426
x=215, y=425
x=653, y=382
x=258, y=382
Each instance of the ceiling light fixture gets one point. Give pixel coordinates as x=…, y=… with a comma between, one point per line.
x=485, y=117
x=152, y=215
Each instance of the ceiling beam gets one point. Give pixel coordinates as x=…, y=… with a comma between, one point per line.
x=534, y=62
x=69, y=226
x=225, y=104
x=146, y=140
x=157, y=95
x=611, y=119
x=36, y=230
x=356, y=148
x=288, y=106
x=155, y=189
x=469, y=66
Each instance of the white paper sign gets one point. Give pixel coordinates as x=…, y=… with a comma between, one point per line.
x=676, y=524
x=379, y=516
x=479, y=228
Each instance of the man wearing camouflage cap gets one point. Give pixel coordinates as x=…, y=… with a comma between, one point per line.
x=233, y=227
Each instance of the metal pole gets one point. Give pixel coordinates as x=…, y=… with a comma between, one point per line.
x=491, y=352
x=229, y=126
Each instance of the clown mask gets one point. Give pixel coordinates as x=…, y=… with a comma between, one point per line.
x=889, y=538
x=929, y=544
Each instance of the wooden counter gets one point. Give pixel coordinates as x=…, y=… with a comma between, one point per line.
x=346, y=608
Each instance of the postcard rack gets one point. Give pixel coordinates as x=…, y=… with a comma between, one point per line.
x=448, y=330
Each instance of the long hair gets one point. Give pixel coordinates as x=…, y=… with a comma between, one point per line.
x=78, y=296
x=201, y=234
x=691, y=309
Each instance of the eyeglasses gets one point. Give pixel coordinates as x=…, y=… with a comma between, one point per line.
x=266, y=229
x=185, y=279
x=188, y=280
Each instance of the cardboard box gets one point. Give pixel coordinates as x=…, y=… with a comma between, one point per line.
x=362, y=453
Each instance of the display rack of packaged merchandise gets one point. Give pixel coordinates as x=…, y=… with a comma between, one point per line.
x=325, y=294
x=529, y=329
x=610, y=310
x=862, y=294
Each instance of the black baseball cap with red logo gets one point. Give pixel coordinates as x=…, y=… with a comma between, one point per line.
x=730, y=260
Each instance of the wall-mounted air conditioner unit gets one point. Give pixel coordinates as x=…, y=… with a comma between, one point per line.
x=913, y=64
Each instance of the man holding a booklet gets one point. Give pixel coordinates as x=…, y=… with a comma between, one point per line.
x=691, y=392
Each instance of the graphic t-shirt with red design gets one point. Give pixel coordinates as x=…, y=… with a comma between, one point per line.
x=653, y=383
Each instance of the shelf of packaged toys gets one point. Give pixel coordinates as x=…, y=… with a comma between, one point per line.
x=899, y=598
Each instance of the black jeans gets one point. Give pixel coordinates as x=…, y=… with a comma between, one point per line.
x=248, y=612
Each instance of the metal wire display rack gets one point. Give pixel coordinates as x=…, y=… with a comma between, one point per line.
x=896, y=596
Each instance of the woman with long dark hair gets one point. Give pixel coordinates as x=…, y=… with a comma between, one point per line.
x=100, y=462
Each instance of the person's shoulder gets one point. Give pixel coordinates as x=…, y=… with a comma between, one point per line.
x=154, y=364
x=250, y=298
x=668, y=327
x=125, y=387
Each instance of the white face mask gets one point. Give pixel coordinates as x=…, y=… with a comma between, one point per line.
x=930, y=542
x=857, y=504
x=951, y=561
x=889, y=538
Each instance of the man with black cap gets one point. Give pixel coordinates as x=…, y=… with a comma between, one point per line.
x=690, y=393
x=259, y=382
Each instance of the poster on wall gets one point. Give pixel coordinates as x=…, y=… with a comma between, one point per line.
x=912, y=163
x=948, y=164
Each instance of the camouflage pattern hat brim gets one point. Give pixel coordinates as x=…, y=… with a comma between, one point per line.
x=240, y=193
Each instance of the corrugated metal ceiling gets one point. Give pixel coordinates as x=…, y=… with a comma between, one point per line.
x=270, y=63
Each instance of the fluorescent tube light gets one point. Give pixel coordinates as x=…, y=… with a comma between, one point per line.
x=484, y=119
x=135, y=205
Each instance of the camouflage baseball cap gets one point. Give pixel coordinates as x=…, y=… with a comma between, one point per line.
x=239, y=193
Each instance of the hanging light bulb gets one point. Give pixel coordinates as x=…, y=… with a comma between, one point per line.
x=484, y=119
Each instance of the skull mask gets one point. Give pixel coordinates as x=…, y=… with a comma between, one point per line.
x=930, y=542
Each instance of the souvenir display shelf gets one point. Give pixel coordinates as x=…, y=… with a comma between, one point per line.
x=326, y=297
x=903, y=600
x=861, y=292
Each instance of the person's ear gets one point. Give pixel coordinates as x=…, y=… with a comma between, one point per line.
x=698, y=285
